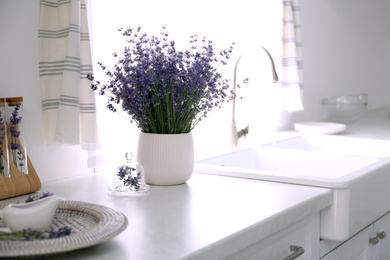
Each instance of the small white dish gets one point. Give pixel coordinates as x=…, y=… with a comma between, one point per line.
x=37, y=215
x=319, y=127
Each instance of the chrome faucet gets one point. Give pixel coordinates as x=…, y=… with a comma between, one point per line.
x=235, y=136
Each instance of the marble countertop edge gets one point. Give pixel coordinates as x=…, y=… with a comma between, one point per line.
x=263, y=229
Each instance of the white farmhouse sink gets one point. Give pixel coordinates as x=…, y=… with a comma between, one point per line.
x=290, y=166
x=336, y=145
x=358, y=171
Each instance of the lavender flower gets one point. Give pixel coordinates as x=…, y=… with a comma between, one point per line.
x=37, y=197
x=61, y=232
x=17, y=156
x=2, y=143
x=32, y=198
x=14, y=132
x=31, y=235
x=15, y=146
x=47, y=194
x=130, y=177
x=15, y=120
x=162, y=89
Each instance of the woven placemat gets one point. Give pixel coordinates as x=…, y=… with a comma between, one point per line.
x=91, y=224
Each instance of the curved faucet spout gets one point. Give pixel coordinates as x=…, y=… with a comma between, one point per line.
x=234, y=134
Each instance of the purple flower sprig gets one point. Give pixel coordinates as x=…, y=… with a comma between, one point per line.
x=130, y=177
x=17, y=156
x=31, y=235
x=32, y=198
x=14, y=119
x=162, y=89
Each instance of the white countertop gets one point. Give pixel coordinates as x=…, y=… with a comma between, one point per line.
x=209, y=217
x=375, y=124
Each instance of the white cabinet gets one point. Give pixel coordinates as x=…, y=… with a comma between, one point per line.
x=304, y=235
x=357, y=247
x=372, y=243
x=382, y=233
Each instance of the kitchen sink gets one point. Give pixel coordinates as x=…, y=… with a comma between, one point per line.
x=290, y=166
x=336, y=145
x=357, y=170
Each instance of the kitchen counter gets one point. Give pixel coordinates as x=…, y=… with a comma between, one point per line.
x=375, y=124
x=209, y=217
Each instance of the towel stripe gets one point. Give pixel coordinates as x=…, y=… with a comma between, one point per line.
x=73, y=28
x=71, y=64
x=50, y=104
x=85, y=108
x=292, y=61
x=69, y=101
x=55, y=4
x=290, y=83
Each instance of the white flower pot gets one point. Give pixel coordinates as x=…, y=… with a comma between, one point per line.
x=168, y=159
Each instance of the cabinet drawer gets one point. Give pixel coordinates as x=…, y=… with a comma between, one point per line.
x=357, y=247
x=304, y=234
x=382, y=231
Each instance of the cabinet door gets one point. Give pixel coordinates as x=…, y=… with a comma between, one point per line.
x=382, y=232
x=304, y=234
x=356, y=248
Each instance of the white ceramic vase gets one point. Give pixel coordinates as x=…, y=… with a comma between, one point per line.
x=168, y=159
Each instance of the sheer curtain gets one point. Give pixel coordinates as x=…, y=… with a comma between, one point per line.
x=68, y=103
x=292, y=64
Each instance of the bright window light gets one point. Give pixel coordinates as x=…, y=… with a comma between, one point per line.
x=248, y=23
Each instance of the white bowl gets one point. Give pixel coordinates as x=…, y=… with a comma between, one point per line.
x=345, y=109
x=319, y=127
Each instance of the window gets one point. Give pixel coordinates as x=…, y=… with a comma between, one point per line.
x=247, y=23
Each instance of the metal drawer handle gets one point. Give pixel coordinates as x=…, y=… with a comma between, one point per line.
x=373, y=241
x=381, y=235
x=297, y=252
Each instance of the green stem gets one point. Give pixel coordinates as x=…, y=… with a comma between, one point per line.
x=168, y=105
x=2, y=167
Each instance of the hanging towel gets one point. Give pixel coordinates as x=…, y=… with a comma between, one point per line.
x=292, y=65
x=68, y=103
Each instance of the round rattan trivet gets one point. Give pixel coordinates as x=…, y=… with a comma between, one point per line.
x=91, y=225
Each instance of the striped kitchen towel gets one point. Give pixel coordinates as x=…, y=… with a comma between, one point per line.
x=68, y=103
x=292, y=64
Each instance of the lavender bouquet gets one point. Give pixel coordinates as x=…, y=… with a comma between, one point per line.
x=162, y=89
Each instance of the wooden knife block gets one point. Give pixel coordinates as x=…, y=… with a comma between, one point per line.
x=19, y=183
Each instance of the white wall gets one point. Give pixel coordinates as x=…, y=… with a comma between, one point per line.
x=19, y=76
x=346, y=50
